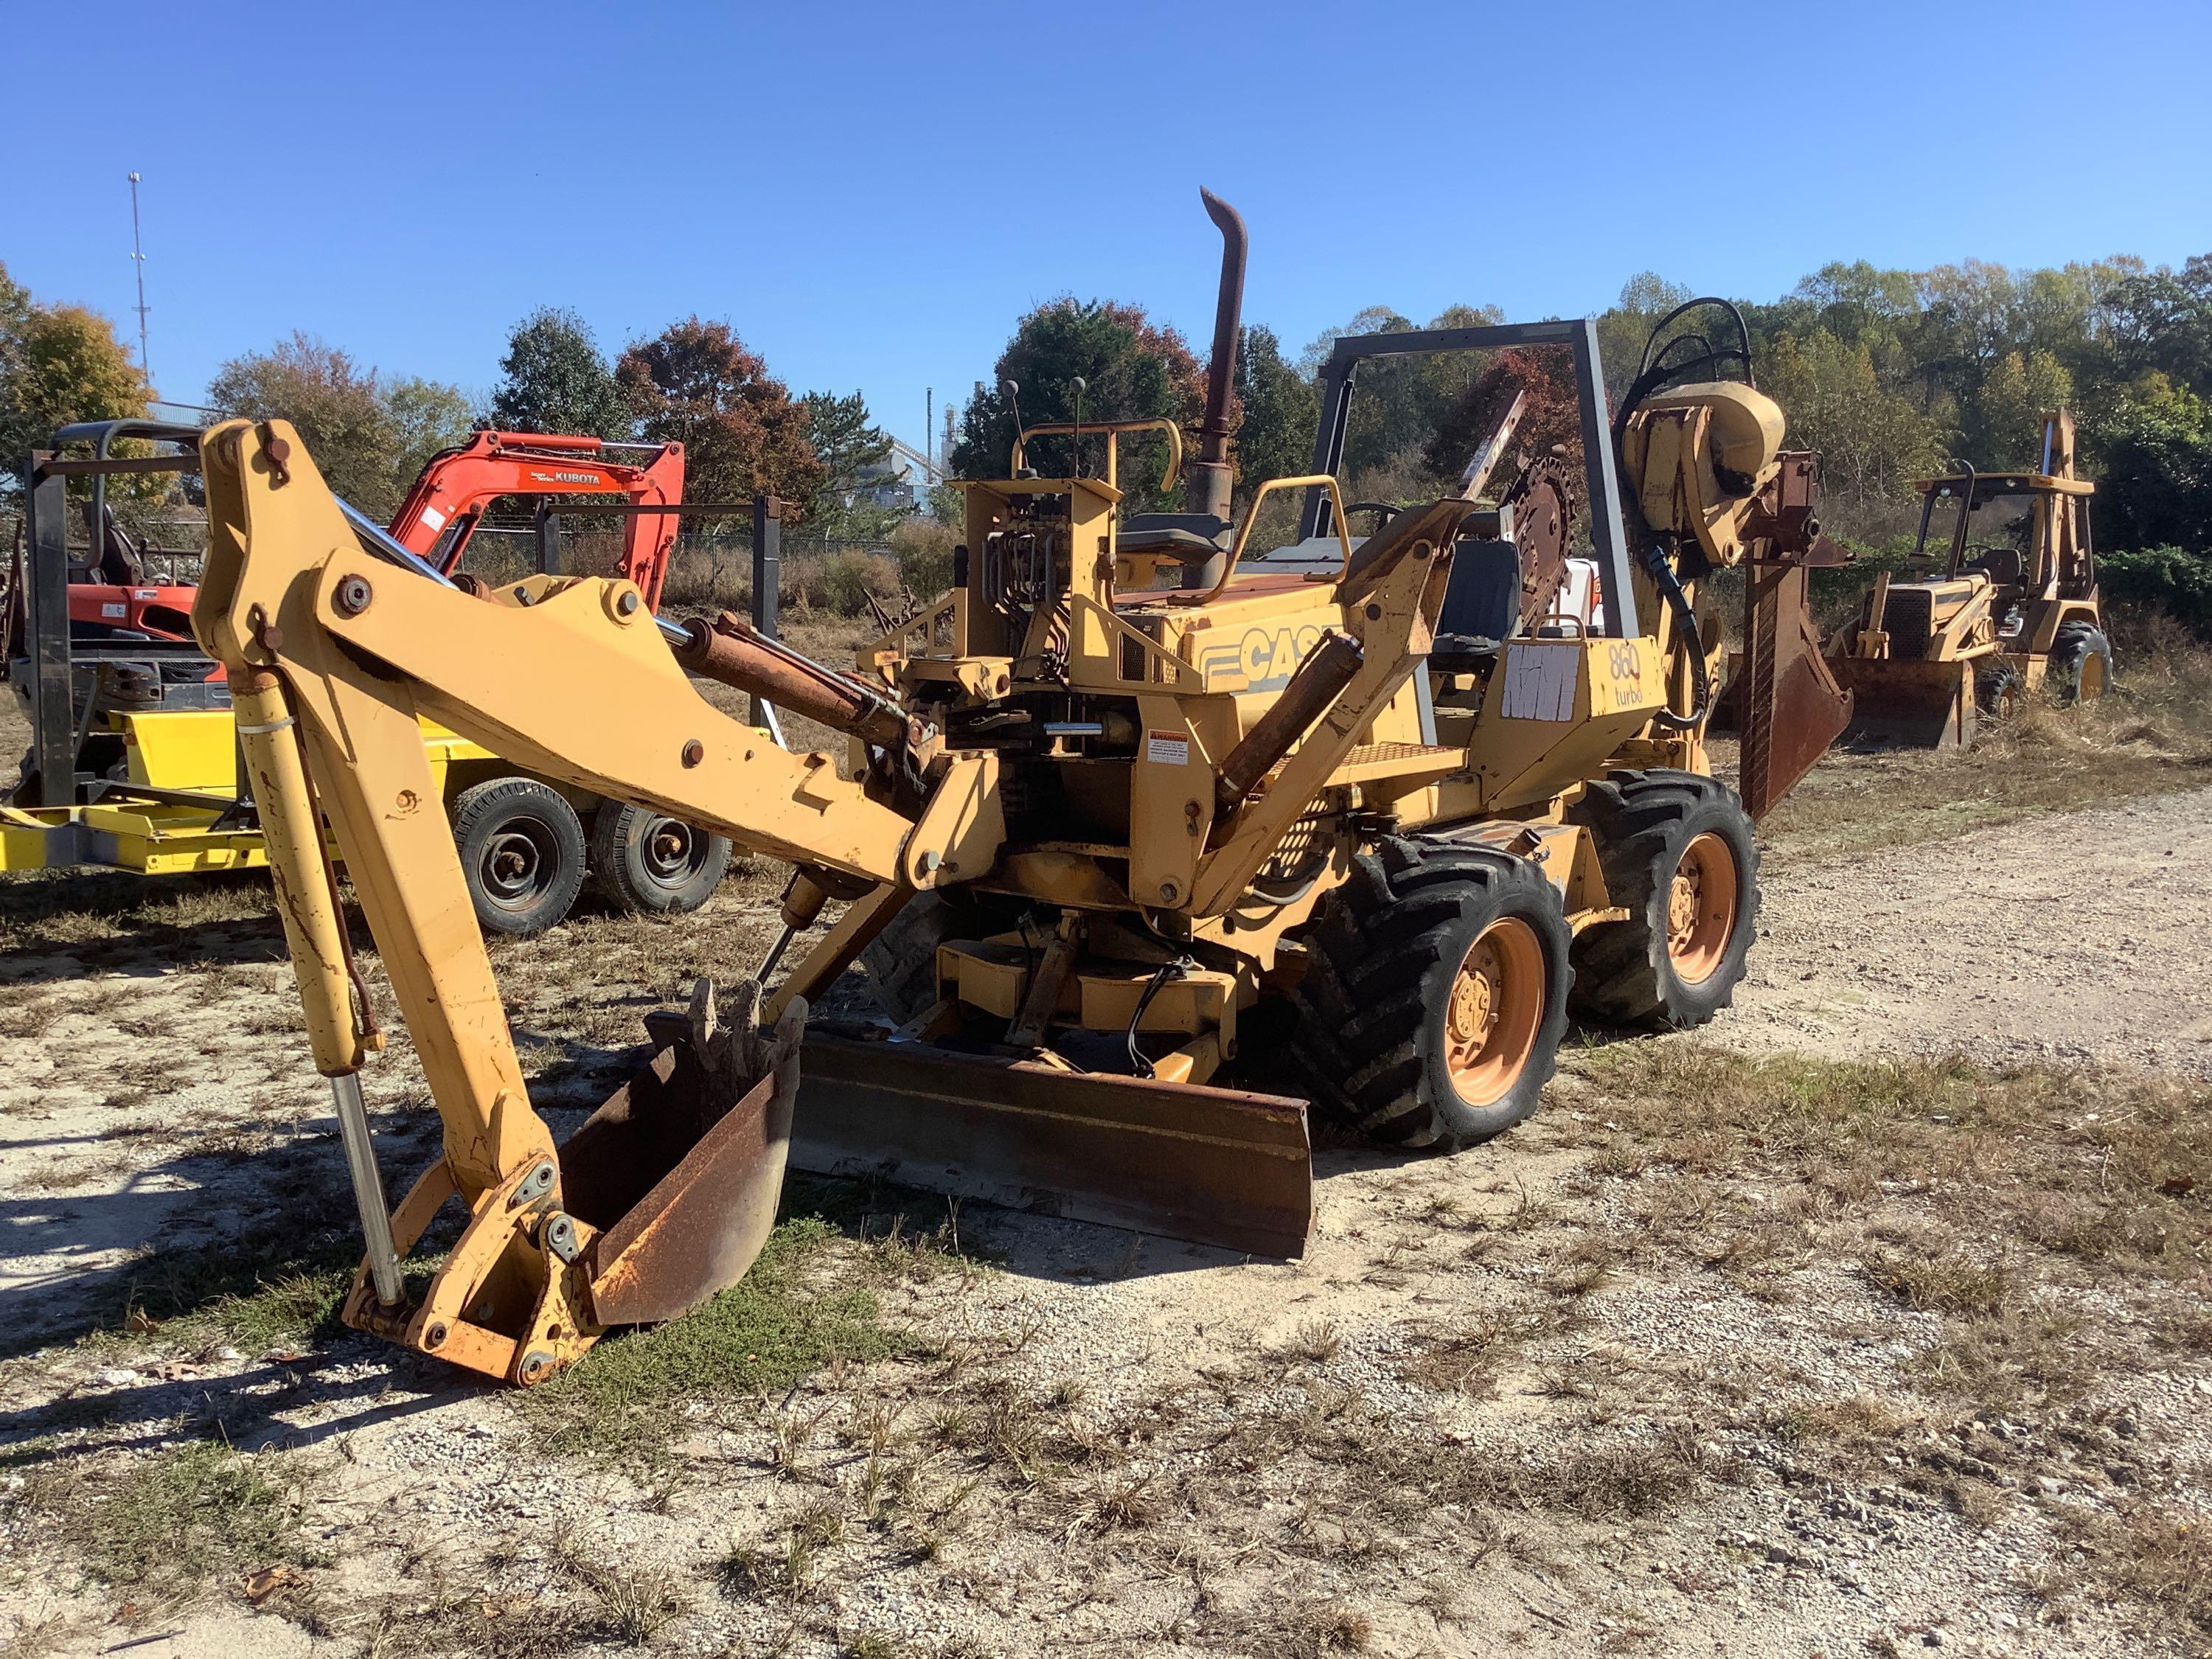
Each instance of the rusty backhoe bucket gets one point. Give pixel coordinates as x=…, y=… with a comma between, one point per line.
x=1909, y=702
x=1214, y=1166
x=1787, y=706
x=681, y=1171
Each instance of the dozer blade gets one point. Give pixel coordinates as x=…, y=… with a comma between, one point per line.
x=1789, y=708
x=1214, y=1166
x=1906, y=703
x=680, y=1169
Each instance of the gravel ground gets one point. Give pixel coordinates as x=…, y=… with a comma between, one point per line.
x=1416, y=1440
x=2080, y=937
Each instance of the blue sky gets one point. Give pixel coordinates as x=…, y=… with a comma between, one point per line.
x=872, y=195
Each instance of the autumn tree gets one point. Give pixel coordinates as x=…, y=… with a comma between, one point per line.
x=1551, y=417
x=58, y=364
x=556, y=380
x=334, y=403
x=696, y=383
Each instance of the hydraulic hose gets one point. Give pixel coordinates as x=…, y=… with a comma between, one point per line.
x=1685, y=622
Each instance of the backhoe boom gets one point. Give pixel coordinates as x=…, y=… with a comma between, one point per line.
x=342, y=652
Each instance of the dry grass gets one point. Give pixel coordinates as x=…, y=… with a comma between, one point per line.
x=2154, y=734
x=166, y=1524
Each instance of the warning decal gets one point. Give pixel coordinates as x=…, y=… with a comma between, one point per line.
x=1167, y=748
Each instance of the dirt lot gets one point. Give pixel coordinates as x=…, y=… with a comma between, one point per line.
x=1876, y=1319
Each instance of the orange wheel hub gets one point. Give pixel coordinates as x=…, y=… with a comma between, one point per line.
x=1497, y=1007
x=1701, y=907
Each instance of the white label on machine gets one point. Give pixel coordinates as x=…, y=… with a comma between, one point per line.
x=114, y=609
x=433, y=520
x=1539, y=682
x=1167, y=748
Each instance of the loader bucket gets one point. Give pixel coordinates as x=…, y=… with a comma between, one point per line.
x=1908, y=703
x=680, y=1172
x=1215, y=1166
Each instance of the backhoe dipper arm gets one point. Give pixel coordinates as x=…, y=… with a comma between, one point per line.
x=341, y=652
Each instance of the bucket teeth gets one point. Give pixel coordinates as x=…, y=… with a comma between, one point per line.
x=680, y=1169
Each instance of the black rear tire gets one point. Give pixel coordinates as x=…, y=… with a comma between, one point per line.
x=649, y=864
x=1376, y=1026
x=902, y=962
x=522, y=851
x=1629, y=973
x=2080, y=662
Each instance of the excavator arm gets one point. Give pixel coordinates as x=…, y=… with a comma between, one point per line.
x=665, y=1195
x=452, y=491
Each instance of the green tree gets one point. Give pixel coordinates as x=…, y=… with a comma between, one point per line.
x=427, y=417
x=336, y=404
x=695, y=383
x=849, y=447
x=2161, y=323
x=1276, y=437
x=1872, y=440
x=555, y=380
x=58, y=364
x=2156, y=484
x=1623, y=330
x=2008, y=407
x=1132, y=369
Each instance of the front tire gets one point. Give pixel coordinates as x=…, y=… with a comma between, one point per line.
x=1436, y=995
x=2000, y=692
x=1678, y=855
x=522, y=852
x=649, y=864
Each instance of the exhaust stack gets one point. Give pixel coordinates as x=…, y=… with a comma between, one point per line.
x=1209, y=481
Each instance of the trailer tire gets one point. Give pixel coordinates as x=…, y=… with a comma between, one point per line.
x=902, y=960
x=649, y=864
x=522, y=853
x=1435, y=993
x=1678, y=853
x=2080, y=662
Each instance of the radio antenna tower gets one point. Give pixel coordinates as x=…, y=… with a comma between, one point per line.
x=138, y=259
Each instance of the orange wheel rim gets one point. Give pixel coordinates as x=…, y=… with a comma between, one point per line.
x=2093, y=678
x=1701, y=907
x=1497, y=1008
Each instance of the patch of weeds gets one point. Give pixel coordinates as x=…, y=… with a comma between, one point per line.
x=169, y=1522
x=781, y=1322
x=1943, y=1279
x=635, y=1604
x=1461, y=1361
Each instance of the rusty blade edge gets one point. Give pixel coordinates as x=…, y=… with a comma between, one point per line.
x=1210, y=1166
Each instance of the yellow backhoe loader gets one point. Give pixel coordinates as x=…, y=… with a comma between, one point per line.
x=1127, y=804
x=2015, y=611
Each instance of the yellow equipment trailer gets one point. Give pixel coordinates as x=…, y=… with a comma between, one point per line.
x=134, y=765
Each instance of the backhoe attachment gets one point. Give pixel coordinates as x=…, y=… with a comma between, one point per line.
x=666, y=1194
